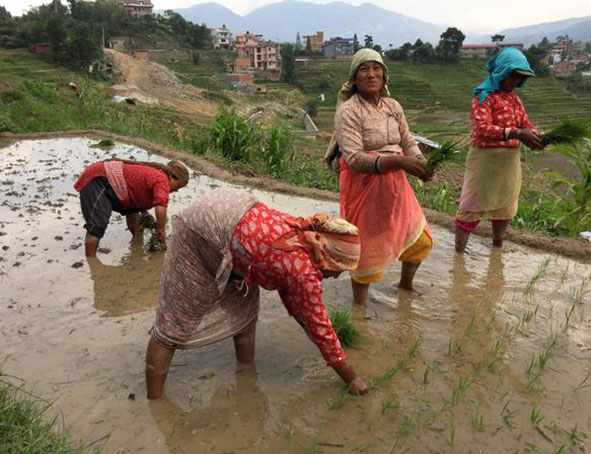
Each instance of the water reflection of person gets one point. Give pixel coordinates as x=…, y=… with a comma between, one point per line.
x=474, y=305
x=234, y=420
x=128, y=187
x=113, y=293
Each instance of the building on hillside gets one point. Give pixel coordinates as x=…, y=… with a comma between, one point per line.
x=136, y=7
x=222, y=38
x=43, y=49
x=255, y=53
x=478, y=50
x=337, y=46
x=565, y=49
x=519, y=46
x=315, y=42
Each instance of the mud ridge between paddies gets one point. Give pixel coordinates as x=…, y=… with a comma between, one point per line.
x=569, y=247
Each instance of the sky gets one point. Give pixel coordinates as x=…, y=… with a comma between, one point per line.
x=481, y=16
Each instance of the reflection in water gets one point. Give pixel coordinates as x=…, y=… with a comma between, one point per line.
x=234, y=421
x=474, y=305
x=130, y=287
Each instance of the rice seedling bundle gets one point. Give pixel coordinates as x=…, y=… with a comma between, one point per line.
x=568, y=132
x=442, y=154
x=343, y=325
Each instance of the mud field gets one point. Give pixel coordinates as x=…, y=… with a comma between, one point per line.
x=491, y=355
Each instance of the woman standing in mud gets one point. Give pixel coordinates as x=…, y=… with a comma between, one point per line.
x=492, y=179
x=377, y=152
x=128, y=187
x=222, y=248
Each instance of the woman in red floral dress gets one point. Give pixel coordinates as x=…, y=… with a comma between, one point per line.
x=223, y=247
x=492, y=179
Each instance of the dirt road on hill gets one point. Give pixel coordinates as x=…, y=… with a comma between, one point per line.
x=154, y=84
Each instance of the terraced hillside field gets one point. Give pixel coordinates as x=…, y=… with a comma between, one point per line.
x=437, y=96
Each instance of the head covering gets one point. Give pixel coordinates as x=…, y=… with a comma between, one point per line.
x=500, y=67
x=332, y=243
x=175, y=169
x=179, y=171
x=348, y=89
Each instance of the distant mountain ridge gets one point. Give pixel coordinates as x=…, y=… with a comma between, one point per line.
x=282, y=21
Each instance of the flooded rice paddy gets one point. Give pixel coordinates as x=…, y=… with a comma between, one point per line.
x=492, y=355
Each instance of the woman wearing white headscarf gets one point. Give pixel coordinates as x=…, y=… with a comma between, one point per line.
x=377, y=152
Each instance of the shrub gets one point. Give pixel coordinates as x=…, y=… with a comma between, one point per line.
x=233, y=136
x=279, y=151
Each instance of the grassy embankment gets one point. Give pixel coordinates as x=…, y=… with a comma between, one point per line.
x=25, y=427
x=436, y=99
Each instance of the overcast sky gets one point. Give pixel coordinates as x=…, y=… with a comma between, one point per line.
x=469, y=15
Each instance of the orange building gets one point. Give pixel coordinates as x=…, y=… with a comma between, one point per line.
x=315, y=42
x=136, y=7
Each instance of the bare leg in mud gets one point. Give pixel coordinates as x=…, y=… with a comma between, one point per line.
x=244, y=344
x=91, y=243
x=133, y=223
x=499, y=227
x=407, y=275
x=360, y=292
x=462, y=237
x=158, y=359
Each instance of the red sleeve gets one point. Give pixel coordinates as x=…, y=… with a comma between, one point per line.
x=482, y=123
x=302, y=298
x=161, y=190
x=523, y=119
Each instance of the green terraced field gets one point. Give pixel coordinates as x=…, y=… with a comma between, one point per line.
x=428, y=89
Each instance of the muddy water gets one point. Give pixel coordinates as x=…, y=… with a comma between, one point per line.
x=491, y=343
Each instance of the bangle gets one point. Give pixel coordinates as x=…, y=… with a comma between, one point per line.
x=375, y=165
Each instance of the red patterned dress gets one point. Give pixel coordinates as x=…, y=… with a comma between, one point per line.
x=291, y=273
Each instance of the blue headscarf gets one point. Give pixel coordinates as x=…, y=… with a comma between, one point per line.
x=499, y=67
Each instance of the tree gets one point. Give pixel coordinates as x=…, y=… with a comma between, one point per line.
x=545, y=44
x=298, y=43
x=402, y=53
x=288, y=63
x=377, y=48
x=422, y=52
x=368, y=41
x=535, y=55
x=356, y=45
x=449, y=45
x=497, y=38
x=80, y=48
x=588, y=47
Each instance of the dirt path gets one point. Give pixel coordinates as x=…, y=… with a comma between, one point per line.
x=568, y=247
x=152, y=83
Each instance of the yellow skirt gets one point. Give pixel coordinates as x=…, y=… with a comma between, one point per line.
x=416, y=253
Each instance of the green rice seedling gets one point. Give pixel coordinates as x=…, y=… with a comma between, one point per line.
x=444, y=153
x=539, y=273
x=535, y=416
x=428, y=370
x=568, y=132
x=338, y=401
x=585, y=383
x=388, y=404
x=406, y=426
x=462, y=384
x=412, y=350
x=576, y=436
x=478, y=421
x=568, y=315
x=342, y=322
x=578, y=294
x=452, y=432
x=564, y=274
x=508, y=416
x=394, y=446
